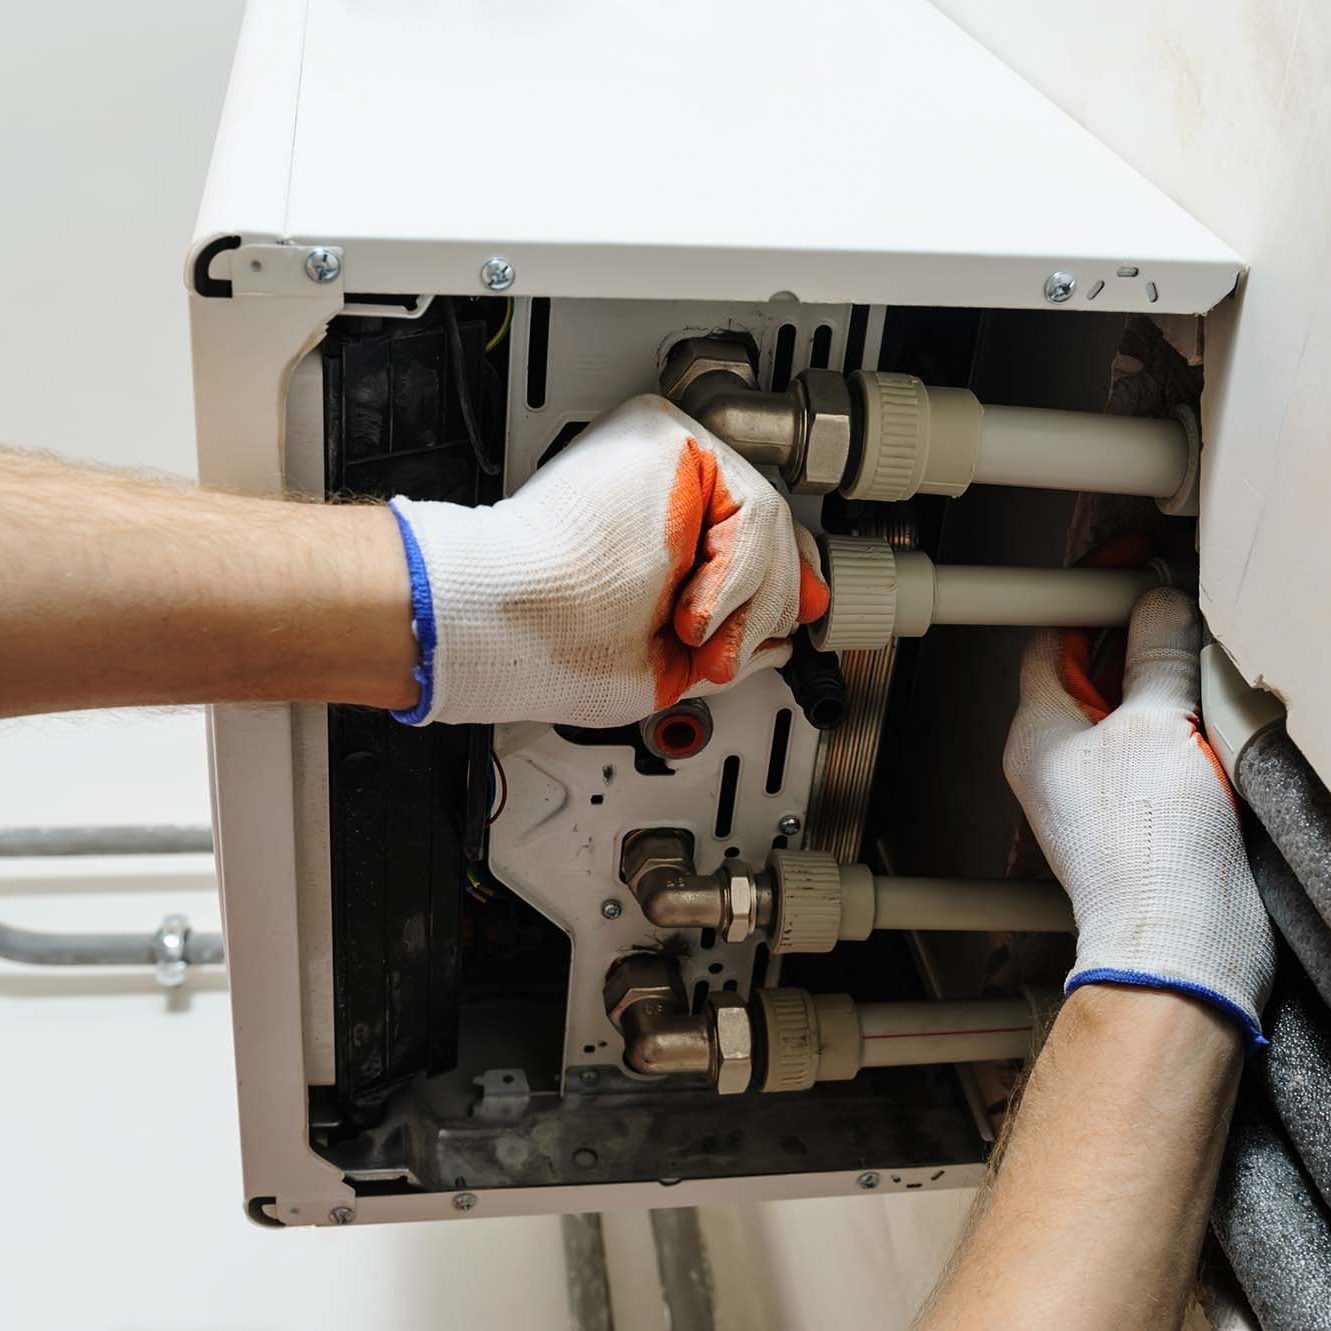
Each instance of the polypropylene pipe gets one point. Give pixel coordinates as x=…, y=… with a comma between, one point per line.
x=1075, y=450
x=1036, y=597
x=879, y=593
x=971, y=903
x=905, y=1034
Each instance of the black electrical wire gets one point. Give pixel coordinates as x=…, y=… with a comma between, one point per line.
x=487, y=464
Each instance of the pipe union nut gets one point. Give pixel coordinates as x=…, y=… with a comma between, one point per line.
x=733, y=1044
x=644, y=978
x=655, y=848
x=826, y=400
x=693, y=357
x=742, y=893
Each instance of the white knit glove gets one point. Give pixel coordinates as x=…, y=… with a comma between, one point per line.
x=1137, y=820
x=645, y=562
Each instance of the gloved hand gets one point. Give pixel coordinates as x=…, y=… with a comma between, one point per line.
x=645, y=562
x=1137, y=819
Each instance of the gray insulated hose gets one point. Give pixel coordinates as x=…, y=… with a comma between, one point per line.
x=1295, y=1073
x=1294, y=807
x=1271, y=1224
x=1287, y=904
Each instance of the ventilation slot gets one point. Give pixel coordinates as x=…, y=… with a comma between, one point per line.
x=821, y=350
x=725, y=799
x=538, y=350
x=776, y=762
x=856, y=333
x=783, y=357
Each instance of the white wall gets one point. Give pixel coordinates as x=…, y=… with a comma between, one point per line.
x=122, y=1185
x=122, y=1181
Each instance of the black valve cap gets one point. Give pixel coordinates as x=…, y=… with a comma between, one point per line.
x=816, y=683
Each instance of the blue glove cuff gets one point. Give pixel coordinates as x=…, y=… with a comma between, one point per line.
x=422, y=621
x=1252, y=1032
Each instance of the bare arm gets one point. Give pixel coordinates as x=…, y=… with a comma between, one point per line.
x=119, y=591
x=1097, y=1213
x=646, y=561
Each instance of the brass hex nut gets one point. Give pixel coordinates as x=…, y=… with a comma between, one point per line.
x=732, y=1043
x=655, y=848
x=693, y=357
x=827, y=423
x=642, y=978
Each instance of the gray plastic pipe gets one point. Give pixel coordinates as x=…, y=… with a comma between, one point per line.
x=153, y=840
x=1035, y=597
x=1077, y=450
x=971, y=904
x=34, y=948
x=879, y=594
x=905, y=1034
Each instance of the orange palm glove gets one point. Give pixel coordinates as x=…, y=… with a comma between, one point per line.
x=646, y=562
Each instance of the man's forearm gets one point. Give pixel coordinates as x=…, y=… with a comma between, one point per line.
x=1098, y=1210
x=118, y=591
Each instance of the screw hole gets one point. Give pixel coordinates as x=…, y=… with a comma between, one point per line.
x=716, y=968
x=256, y=265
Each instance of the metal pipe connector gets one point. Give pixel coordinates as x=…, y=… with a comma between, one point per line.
x=805, y=431
x=646, y=1003
x=657, y=865
x=902, y=437
x=805, y=902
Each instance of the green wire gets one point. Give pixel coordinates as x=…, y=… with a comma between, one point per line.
x=502, y=331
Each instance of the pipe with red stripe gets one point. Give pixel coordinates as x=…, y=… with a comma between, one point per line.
x=808, y=1038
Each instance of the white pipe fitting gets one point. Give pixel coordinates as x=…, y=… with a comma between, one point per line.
x=829, y=1037
x=818, y=902
x=922, y=440
x=879, y=594
x=1235, y=712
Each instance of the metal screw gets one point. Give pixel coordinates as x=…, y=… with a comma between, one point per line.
x=868, y=1180
x=588, y=1077
x=611, y=909
x=788, y=824
x=341, y=1215
x=322, y=265
x=1059, y=287
x=497, y=274
x=464, y=1201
